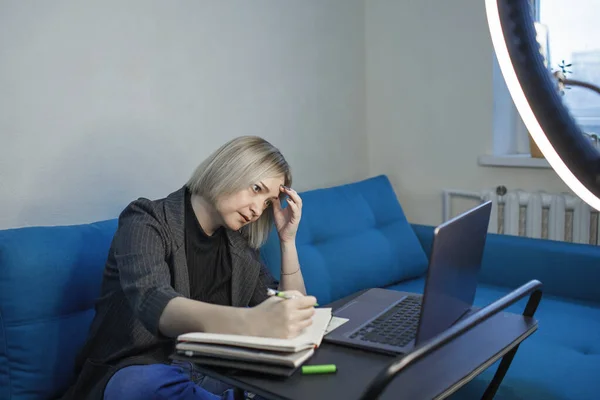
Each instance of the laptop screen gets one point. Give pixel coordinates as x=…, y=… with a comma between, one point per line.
x=454, y=264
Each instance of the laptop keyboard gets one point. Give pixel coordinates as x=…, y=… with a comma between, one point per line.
x=395, y=327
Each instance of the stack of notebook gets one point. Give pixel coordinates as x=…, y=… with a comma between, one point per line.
x=254, y=353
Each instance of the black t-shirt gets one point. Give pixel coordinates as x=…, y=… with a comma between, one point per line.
x=208, y=259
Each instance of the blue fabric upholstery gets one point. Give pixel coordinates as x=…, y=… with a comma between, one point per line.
x=559, y=361
x=49, y=280
x=566, y=269
x=346, y=229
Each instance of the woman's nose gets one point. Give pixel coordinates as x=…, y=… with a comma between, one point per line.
x=256, y=210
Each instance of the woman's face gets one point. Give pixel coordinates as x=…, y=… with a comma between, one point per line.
x=247, y=205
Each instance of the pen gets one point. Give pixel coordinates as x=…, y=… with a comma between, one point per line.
x=273, y=292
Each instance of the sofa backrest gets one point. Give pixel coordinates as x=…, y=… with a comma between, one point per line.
x=352, y=237
x=50, y=278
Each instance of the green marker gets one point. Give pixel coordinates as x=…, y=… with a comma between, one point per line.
x=319, y=369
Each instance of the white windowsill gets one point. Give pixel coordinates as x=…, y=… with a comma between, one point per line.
x=513, y=160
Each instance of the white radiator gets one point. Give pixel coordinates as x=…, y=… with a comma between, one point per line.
x=533, y=214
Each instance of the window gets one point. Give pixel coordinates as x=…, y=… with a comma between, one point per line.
x=573, y=36
x=568, y=31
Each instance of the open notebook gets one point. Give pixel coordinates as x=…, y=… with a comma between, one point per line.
x=310, y=338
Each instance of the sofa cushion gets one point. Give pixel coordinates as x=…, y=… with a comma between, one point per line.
x=50, y=278
x=566, y=269
x=352, y=237
x=561, y=360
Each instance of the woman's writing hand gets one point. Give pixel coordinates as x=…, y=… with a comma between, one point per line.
x=281, y=318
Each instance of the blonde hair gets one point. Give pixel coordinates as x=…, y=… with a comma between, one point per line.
x=235, y=166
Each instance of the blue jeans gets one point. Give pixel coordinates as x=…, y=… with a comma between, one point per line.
x=177, y=381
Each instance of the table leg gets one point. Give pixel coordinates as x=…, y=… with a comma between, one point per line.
x=239, y=394
x=530, y=308
x=492, y=388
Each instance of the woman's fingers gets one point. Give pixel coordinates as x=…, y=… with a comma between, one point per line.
x=293, y=196
x=273, y=299
x=303, y=315
x=293, y=293
x=296, y=329
x=298, y=301
x=304, y=324
x=294, y=207
x=305, y=302
x=297, y=326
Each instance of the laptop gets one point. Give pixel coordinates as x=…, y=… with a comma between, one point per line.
x=394, y=322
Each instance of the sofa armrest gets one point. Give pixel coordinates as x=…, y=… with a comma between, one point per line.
x=565, y=269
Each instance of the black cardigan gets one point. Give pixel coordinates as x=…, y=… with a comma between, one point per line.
x=146, y=268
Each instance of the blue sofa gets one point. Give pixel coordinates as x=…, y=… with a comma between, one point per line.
x=351, y=237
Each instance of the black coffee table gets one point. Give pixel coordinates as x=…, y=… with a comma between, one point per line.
x=434, y=370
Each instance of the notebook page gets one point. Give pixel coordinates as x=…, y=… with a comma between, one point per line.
x=335, y=323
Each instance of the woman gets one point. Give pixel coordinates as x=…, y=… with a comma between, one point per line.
x=189, y=262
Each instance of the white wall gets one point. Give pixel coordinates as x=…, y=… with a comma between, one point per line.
x=104, y=101
x=430, y=103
